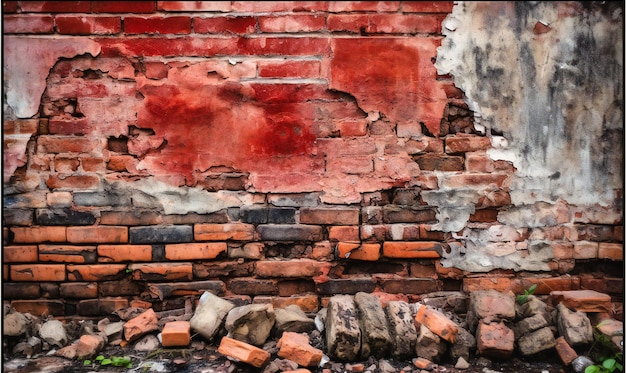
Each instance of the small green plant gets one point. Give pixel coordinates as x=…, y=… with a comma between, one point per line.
x=609, y=365
x=603, y=350
x=115, y=361
x=522, y=298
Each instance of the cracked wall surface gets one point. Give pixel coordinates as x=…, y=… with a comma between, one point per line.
x=401, y=147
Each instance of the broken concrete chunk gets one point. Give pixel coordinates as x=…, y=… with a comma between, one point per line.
x=210, y=314
x=376, y=339
x=343, y=335
x=292, y=319
x=53, y=332
x=15, y=324
x=575, y=326
x=251, y=323
x=537, y=341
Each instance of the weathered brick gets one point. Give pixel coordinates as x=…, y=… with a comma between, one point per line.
x=55, y=6
x=20, y=254
x=347, y=233
x=346, y=286
x=289, y=69
x=253, y=286
x=96, y=272
x=437, y=322
x=67, y=254
x=65, y=216
x=118, y=288
x=413, y=249
x=475, y=180
x=375, y=233
x=123, y=7
x=363, y=6
x=87, y=25
x=291, y=268
x=157, y=25
x=21, y=217
x=38, y=234
x=347, y=22
x=101, y=199
x=358, y=251
x=410, y=286
x=221, y=25
x=408, y=214
x=582, y=300
x=405, y=23
x=161, y=234
x=25, y=200
x=162, y=271
x=585, y=250
x=101, y=306
x=20, y=290
x=427, y=6
x=462, y=143
x=40, y=307
x=191, y=251
x=135, y=217
x=73, y=182
x=165, y=46
x=224, y=232
x=28, y=24
x=289, y=232
x=194, y=6
x=244, y=352
x=565, y=351
x=97, y=234
x=307, y=303
x=329, y=216
x=292, y=23
x=222, y=269
x=438, y=162
x=67, y=144
x=124, y=253
x=37, y=272
x=612, y=251
x=79, y=290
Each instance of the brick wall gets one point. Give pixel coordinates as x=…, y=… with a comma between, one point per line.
x=266, y=151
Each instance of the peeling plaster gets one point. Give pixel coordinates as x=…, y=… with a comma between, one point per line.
x=27, y=62
x=555, y=92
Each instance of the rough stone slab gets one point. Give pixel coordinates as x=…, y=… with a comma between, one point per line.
x=292, y=319
x=429, y=345
x=251, y=323
x=376, y=339
x=343, y=334
x=537, y=341
x=402, y=328
x=575, y=326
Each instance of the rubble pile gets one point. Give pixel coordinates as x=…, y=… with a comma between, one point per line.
x=361, y=332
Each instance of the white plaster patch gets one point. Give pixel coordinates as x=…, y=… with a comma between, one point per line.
x=27, y=63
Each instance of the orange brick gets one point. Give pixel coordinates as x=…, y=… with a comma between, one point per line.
x=224, y=232
x=38, y=234
x=582, y=300
x=565, y=351
x=162, y=271
x=124, y=253
x=437, y=322
x=67, y=254
x=19, y=254
x=191, y=251
x=95, y=272
x=176, y=334
x=423, y=363
x=307, y=303
x=38, y=272
x=296, y=347
x=291, y=268
x=243, y=352
x=97, y=234
x=502, y=284
x=412, y=249
x=585, y=250
x=612, y=251
x=344, y=233
x=358, y=251
x=73, y=182
x=40, y=307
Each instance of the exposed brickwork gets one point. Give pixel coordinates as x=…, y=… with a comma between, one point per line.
x=303, y=171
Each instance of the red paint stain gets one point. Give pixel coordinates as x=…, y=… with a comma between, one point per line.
x=217, y=124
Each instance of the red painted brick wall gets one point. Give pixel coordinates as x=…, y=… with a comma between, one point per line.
x=325, y=121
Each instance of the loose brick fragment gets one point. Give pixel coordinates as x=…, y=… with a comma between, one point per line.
x=176, y=334
x=243, y=352
x=437, y=322
x=582, y=300
x=565, y=351
x=296, y=347
x=140, y=325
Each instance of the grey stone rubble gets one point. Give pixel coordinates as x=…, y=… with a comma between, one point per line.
x=355, y=332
